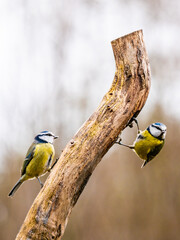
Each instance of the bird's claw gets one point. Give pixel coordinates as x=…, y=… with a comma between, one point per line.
x=133, y=119
x=119, y=140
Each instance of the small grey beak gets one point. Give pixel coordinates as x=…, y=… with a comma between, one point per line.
x=55, y=137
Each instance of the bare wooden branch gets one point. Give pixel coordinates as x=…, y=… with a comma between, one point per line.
x=49, y=213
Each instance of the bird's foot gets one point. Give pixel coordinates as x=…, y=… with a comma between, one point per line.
x=133, y=119
x=119, y=140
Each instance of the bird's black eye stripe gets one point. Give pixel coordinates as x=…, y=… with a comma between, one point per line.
x=47, y=134
x=157, y=127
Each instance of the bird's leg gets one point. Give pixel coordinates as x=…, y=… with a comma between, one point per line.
x=137, y=124
x=130, y=125
x=133, y=119
x=119, y=142
x=40, y=182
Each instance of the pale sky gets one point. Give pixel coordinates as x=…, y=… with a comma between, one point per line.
x=48, y=45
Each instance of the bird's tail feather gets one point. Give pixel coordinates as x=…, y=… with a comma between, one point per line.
x=15, y=188
x=144, y=164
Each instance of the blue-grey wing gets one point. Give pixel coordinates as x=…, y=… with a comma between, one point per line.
x=28, y=158
x=49, y=161
x=154, y=152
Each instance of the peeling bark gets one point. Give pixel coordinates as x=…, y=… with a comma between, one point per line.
x=49, y=213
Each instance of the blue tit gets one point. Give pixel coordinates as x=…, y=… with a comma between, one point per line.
x=38, y=159
x=148, y=142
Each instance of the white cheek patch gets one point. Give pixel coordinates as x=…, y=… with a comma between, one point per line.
x=155, y=132
x=48, y=139
x=164, y=135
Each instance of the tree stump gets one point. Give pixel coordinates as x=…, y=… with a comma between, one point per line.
x=48, y=216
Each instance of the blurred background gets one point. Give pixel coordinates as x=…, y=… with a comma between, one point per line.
x=56, y=64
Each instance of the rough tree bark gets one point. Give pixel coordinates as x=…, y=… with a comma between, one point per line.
x=49, y=213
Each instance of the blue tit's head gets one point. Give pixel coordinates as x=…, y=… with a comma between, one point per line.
x=157, y=130
x=45, y=137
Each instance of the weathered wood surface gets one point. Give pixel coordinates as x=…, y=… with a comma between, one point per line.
x=49, y=213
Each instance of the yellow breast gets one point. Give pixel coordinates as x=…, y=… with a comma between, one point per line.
x=148, y=143
x=42, y=158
